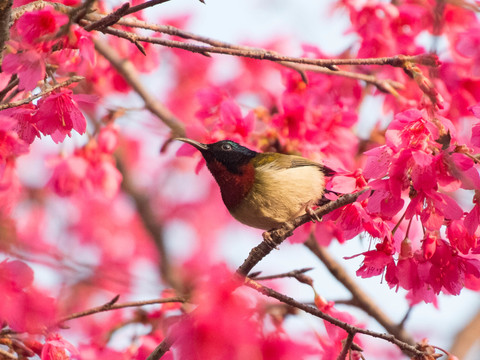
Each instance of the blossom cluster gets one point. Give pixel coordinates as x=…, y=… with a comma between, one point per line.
x=106, y=215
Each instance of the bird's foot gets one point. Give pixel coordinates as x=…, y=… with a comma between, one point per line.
x=267, y=237
x=311, y=212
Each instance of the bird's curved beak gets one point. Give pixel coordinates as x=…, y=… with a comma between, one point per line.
x=195, y=144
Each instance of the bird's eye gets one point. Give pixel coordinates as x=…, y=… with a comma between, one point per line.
x=226, y=147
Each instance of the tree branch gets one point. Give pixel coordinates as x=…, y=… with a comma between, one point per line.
x=111, y=305
x=325, y=66
x=360, y=298
x=8, y=355
x=261, y=54
x=72, y=80
x=5, y=20
x=145, y=5
x=127, y=70
x=151, y=224
x=110, y=19
x=384, y=85
x=161, y=349
x=14, y=80
x=346, y=346
x=294, y=274
x=275, y=237
x=405, y=347
x=466, y=337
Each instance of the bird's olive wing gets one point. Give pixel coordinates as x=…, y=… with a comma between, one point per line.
x=282, y=161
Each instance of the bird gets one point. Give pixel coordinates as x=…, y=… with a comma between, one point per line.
x=263, y=190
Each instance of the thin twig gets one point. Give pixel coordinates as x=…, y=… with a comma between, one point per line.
x=72, y=80
x=145, y=5
x=275, y=237
x=110, y=19
x=75, y=15
x=405, y=347
x=11, y=96
x=359, y=297
x=161, y=349
x=402, y=322
x=326, y=66
x=113, y=306
x=261, y=54
x=293, y=273
x=127, y=70
x=14, y=80
x=7, y=354
x=346, y=346
x=384, y=85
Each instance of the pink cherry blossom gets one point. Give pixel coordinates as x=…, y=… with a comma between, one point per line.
x=34, y=26
x=472, y=219
x=54, y=348
x=11, y=145
x=468, y=44
x=68, y=175
x=26, y=128
x=28, y=65
x=58, y=114
x=89, y=169
x=23, y=308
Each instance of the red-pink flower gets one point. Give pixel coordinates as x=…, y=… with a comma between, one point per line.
x=459, y=237
x=210, y=100
x=224, y=327
x=10, y=143
x=55, y=348
x=89, y=169
x=29, y=65
x=475, y=109
x=108, y=139
x=232, y=122
x=58, y=114
x=468, y=45
x=378, y=162
x=103, y=177
x=22, y=307
x=25, y=127
x=383, y=202
x=68, y=175
x=33, y=26
x=433, y=208
x=374, y=263
x=332, y=342
x=472, y=219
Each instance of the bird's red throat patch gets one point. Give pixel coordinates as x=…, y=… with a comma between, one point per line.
x=233, y=186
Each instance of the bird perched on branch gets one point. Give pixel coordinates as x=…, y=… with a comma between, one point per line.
x=263, y=190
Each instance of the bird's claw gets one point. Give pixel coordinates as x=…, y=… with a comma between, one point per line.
x=313, y=215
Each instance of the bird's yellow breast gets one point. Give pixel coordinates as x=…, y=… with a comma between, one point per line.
x=279, y=195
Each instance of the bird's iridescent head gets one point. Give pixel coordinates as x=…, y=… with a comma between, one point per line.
x=230, y=154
